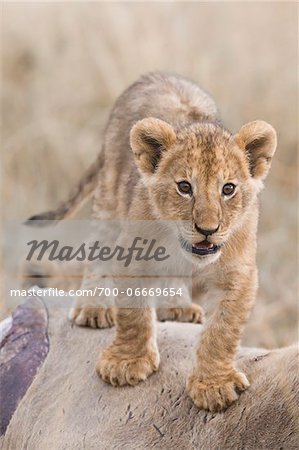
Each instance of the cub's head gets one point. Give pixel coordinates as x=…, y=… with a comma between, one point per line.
x=203, y=175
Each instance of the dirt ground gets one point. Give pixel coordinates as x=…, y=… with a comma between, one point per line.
x=64, y=64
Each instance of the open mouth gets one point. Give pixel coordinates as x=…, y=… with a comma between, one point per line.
x=202, y=248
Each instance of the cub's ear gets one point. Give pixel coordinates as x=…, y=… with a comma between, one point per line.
x=149, y=138
x=259, y=140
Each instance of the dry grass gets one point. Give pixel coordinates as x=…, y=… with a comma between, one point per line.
x=63, y=65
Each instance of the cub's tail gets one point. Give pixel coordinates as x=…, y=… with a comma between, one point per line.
x=81, y=194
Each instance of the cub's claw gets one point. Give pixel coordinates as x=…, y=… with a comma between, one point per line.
x=193, y=314
x=216, y=396
x=119, y=369
x=92, y=317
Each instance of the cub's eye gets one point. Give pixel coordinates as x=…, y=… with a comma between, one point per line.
x=228, y=189
x=185, y=187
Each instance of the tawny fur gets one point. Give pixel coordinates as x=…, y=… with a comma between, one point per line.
x=162, y=130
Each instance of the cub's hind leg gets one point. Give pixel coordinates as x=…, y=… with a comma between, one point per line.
x=93, y=309
x=194, y=314
x=92, y=316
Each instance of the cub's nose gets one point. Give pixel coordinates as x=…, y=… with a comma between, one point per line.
x=206, y=232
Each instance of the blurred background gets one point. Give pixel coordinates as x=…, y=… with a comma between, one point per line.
x=64, y=64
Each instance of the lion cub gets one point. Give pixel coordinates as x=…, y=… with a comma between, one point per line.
x=166, y=156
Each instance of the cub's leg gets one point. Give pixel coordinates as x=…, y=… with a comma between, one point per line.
x=194, y=313
x=133, y=355
x=93, y=310
x=215, y=382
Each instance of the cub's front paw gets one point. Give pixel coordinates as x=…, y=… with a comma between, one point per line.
x=92, y=317
x=216, y=395
x=119, y=369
